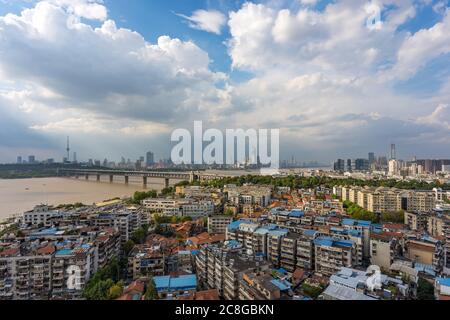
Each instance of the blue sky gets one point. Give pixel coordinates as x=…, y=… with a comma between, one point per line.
x=311, y=68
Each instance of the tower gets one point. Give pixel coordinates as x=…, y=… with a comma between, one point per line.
x=393, y=152
x=68, y=149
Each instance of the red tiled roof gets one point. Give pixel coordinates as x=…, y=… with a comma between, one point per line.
x=49, y=249
x=9, y=252
x=207, y=295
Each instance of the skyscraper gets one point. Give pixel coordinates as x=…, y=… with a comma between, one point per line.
x=19, y=160
x=393, y=152
x=150, y=161
x=31, y=159
x=371, y=158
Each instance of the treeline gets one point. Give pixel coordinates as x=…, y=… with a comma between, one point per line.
x=297, y=182
x=359, y=213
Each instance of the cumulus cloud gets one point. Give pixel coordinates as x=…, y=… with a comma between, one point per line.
x=107, y=70
x=206, y=20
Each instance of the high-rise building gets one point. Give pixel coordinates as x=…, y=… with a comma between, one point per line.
x=393, y=152
x=19, y=159
x=349, y=165
x=74, y=157
x=393, y=167
x=31, y=159
x=339, y=165
x=371, y=158
x=150, y=161
x=362, y=165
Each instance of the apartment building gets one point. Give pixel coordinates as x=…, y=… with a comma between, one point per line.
x=72, y=267
x=416, y=221
x=426, y=251
x=288, y=252
x=180, y=207
x=436, y=225
x=305, y=249
x=25, y=273
x=384, y=248
x=347, y=234
x=198, y=209
x=249, y=195
x=108, y=244
x=331, y=254
x=389, y=199
x=164, y=206
x=250, y=235
x=223, y=267
x=446, y=221
x=146, y=261
x=258, y=286
x=218, y=224
x=125, y=221
x=40, y=215
x=274, y=240
x=364, y=228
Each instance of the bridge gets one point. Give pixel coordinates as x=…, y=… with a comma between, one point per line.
x=190, y=176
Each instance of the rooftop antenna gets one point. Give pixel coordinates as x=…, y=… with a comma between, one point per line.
x=68, y=149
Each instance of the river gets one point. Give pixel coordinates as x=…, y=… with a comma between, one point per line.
x=19, y=195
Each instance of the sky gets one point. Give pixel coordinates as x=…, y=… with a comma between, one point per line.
x=338, y=78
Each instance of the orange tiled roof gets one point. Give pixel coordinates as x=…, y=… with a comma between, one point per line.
x=49, y=249
x=9, y=252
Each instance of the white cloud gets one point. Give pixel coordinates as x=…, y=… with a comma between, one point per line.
x=420, y=48
x=107, y=70
x=206, y=20
x=88, y=9
x=440, y=117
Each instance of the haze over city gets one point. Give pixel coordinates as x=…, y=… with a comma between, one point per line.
x=120, y=76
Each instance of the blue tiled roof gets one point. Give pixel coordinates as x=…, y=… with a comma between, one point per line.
x=279, y=232
x=309, y=232
x=353, y=222
x=46, y=232
x=444, y=281
x=64, y=252
x=330, y=242
x=233, y=244
x=235, y=224
x=184, y=282
x=282, y=285
x=297, y=213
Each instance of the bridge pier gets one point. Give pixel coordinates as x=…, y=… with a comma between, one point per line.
x=111, y=178
x=98, y=178
x=127, y=179
x=144, y=180
x=166, y=182
x=77, y=177
x=86, y=177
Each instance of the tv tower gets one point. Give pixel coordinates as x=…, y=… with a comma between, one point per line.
x=68, y=149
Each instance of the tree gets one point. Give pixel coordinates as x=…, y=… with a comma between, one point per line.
x=115, y=291
x=152, y=292
x=229, y=212
x=139, y=235
x=311, y=291
x=102, y=281
x=128, y=246
x=394, y=217
x=425, y=290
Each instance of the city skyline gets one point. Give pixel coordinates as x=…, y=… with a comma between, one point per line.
x=133, y=73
